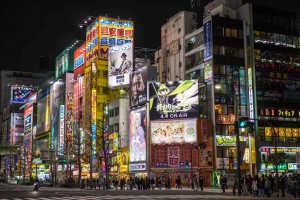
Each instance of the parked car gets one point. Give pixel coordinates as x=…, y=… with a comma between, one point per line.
x=12, y=181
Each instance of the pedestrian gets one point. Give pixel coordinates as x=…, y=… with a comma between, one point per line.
x=201, y=182
x=235, y=185
x=223, y=182
x=152, y=182
x=254, y=186
x=159, y=183
x=282, y=185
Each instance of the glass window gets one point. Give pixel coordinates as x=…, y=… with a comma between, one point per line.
x=111, y=112
x=116, y=129
x=116, y=111
x=234, y=33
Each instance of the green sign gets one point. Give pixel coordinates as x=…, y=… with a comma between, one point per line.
x=271, y=166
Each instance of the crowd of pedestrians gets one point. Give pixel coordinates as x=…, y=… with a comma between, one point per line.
x=265, y=186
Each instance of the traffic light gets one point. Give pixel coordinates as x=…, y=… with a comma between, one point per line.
x=251, y=127
x=243, y=122
x=186, y=164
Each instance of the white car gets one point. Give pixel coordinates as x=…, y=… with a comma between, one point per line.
x=12, y=181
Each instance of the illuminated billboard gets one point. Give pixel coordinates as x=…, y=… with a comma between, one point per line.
x=79, y=61
x=43, y=113
x=64, y=62
x=173, y=100
x=106, y=32
x=61, y=130
x=138, y=131
x=19, y=94
x=138, y=84
x=168, y=132
x=28, y=116
x=119, y=64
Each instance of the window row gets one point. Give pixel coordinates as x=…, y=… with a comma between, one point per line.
x=114, y=112
x=276, y=39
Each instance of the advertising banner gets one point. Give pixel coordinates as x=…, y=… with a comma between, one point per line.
x=120, y=59
x=43, y=115
x=28, y=116
x=207, y=34
x=92, y=42
x=167, y=132
x=62, y=130
x=138, y=131
x=113, y=32
x=64, y=62
x=79, y=61
x=173, y=100
x=19, y=94
x=138, y=87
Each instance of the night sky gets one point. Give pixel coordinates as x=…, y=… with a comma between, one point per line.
x=34, y=28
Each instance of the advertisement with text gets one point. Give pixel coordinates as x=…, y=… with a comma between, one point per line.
x=173, y=100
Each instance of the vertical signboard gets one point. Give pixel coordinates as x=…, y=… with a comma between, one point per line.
x=208, y=50
x=138, y=131
x=61, y=130
x=92, y=42
x=70, y=117
x=79, y=61
x=94, y=109
x=87, y=97
x=250, y=91
x=28, y=116
x=119, y=64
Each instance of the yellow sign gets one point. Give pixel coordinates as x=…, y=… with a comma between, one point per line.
x=123, y=168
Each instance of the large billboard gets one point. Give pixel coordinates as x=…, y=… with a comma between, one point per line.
x=28, y=117
x=79, y=61
x=64, y=62
x=174, y=100
x=120, y=64
x=19, y=94
x=171, y=132
x=106, y=32
x=43, y=113
x=138, y=131
x=138, y=84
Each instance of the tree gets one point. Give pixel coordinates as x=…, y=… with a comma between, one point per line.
x=79, y=150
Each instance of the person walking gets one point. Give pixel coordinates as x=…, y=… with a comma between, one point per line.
x=223, y=182
x=201, y=182
x=235, y=185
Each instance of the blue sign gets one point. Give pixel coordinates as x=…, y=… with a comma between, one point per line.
x=207, y=40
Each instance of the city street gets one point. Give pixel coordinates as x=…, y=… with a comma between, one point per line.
x=18, y=192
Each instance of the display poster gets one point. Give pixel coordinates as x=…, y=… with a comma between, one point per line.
x=28, y=116
x=173, y=100
x=120, y=60
x=43, y=115
x=19, y=94
x=138, y=131
x=113, y=32
x=207, y=37
x=168, y=132
x=138, y=86
x=79, y=61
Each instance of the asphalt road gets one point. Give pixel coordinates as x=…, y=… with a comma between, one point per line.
x=18, y=192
